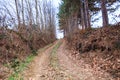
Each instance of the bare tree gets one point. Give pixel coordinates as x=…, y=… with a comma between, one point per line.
x=37, y=13
x=104, y=13
x=87, y=14
x=18, y=14
x=23, y=18
x=29, y=12
x=82, y=15
x=41, y=18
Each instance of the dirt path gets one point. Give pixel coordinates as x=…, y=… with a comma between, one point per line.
x=38, y=68
x=42, y=69
x=77, y=68
x=64, y=67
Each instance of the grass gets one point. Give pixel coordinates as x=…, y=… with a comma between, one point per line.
x=17, y=70
x=54, y=59
x=23, y=64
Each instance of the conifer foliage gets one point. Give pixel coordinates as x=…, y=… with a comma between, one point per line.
x=77, y=14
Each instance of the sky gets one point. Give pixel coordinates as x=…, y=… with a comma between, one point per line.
x=59, y=33
x=98, y=23
x=56, y=3
x=111, y=16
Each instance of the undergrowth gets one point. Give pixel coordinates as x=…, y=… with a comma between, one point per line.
x=19, y=66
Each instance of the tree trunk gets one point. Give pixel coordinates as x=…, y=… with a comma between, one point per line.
x=37, y=14
x=23, y=13
x=18, y=16
x=104, y=13
x=87, y=14
x=82, y=16
x=30, y=14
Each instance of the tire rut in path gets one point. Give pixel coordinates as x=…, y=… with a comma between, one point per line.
x=41, y=69
x=65, y=68
x=39, y=66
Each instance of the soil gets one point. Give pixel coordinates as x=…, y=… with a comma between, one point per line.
x=69, y=68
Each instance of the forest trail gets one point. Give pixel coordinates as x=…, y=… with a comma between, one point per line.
x=54, y=64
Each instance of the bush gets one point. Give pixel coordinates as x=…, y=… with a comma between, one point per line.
x=34, y=52
x=117, y=45
x=2, y=36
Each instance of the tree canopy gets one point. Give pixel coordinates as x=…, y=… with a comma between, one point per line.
x=79, y=12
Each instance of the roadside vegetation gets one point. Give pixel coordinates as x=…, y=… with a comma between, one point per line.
x=29, y=25
x=19, y=66
x=25, y=27
x=53, y=57
x=97, y=45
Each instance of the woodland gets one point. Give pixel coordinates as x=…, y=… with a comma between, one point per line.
x=99, y=47
x=29, y=25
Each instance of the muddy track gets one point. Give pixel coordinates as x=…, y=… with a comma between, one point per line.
x=55, y=64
